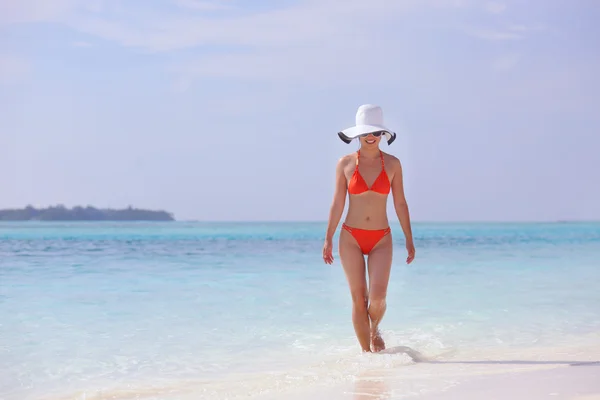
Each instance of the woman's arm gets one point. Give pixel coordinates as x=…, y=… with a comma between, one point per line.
x=336, y=210
x=339, y=199
x=401, y=208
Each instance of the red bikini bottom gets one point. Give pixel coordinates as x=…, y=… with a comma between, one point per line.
x=367, y=238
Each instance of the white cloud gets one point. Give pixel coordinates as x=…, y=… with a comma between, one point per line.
x=161, y=27
x=311, y=22
x=315, y=39
x=164, y=28
x=13, y=69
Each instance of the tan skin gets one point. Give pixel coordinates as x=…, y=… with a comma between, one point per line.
x=367, y=211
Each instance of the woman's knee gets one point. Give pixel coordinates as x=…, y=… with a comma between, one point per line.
x=360, y=299
x=377, y=305
x=378, y=292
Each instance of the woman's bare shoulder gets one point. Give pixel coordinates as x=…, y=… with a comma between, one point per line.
x=347, y=159
x=391, y=160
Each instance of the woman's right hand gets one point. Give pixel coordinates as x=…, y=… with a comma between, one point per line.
x=328, y=252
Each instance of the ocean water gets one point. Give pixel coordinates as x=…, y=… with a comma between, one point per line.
x=234, y=310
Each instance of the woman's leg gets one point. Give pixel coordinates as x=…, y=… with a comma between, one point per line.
x=379, y=266
x=353, y=263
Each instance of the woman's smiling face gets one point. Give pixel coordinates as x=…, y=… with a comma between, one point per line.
x=370, y=140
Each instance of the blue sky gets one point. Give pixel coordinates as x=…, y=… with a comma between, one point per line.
x=228, y=110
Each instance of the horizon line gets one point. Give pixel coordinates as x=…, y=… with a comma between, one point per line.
x=310, y=221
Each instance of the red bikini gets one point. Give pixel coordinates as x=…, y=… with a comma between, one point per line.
x=368, y=238
x=358, y=185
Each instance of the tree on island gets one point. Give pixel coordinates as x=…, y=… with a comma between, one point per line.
x=78, y=213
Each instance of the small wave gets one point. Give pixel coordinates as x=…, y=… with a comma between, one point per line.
x=334, y=370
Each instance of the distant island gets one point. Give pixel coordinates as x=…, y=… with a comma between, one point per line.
x=62, y=213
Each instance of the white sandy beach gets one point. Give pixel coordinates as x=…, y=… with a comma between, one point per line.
x=566, y=382
x=569, y=383
x=562, y=373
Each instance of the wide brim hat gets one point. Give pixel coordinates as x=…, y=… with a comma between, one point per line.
x=369, y=119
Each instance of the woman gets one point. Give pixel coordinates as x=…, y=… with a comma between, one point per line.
x=368, y=176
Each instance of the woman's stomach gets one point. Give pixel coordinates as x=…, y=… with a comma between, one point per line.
x=367, y=211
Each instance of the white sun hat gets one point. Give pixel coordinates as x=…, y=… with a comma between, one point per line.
x=369, y=119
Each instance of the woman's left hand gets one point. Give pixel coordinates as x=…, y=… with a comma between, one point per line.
x=410, y=248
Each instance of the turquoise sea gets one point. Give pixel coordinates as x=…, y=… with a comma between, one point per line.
x=230, y=310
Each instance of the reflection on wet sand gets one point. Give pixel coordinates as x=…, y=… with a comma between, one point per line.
x=371, y=386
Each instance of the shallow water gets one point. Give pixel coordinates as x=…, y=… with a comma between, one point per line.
x=134, y=308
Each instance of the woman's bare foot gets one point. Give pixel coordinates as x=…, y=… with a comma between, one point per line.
x=377, y=343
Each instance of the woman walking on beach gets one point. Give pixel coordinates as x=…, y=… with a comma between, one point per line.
x=368, y=176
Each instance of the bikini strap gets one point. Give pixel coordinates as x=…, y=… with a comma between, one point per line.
x=382, y=163
x=357, y=157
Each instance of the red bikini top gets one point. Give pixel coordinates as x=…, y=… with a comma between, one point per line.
x=358, y=185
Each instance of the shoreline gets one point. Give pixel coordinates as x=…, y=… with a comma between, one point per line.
x=576, y=382
x=562, y=372
x=569, y=372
